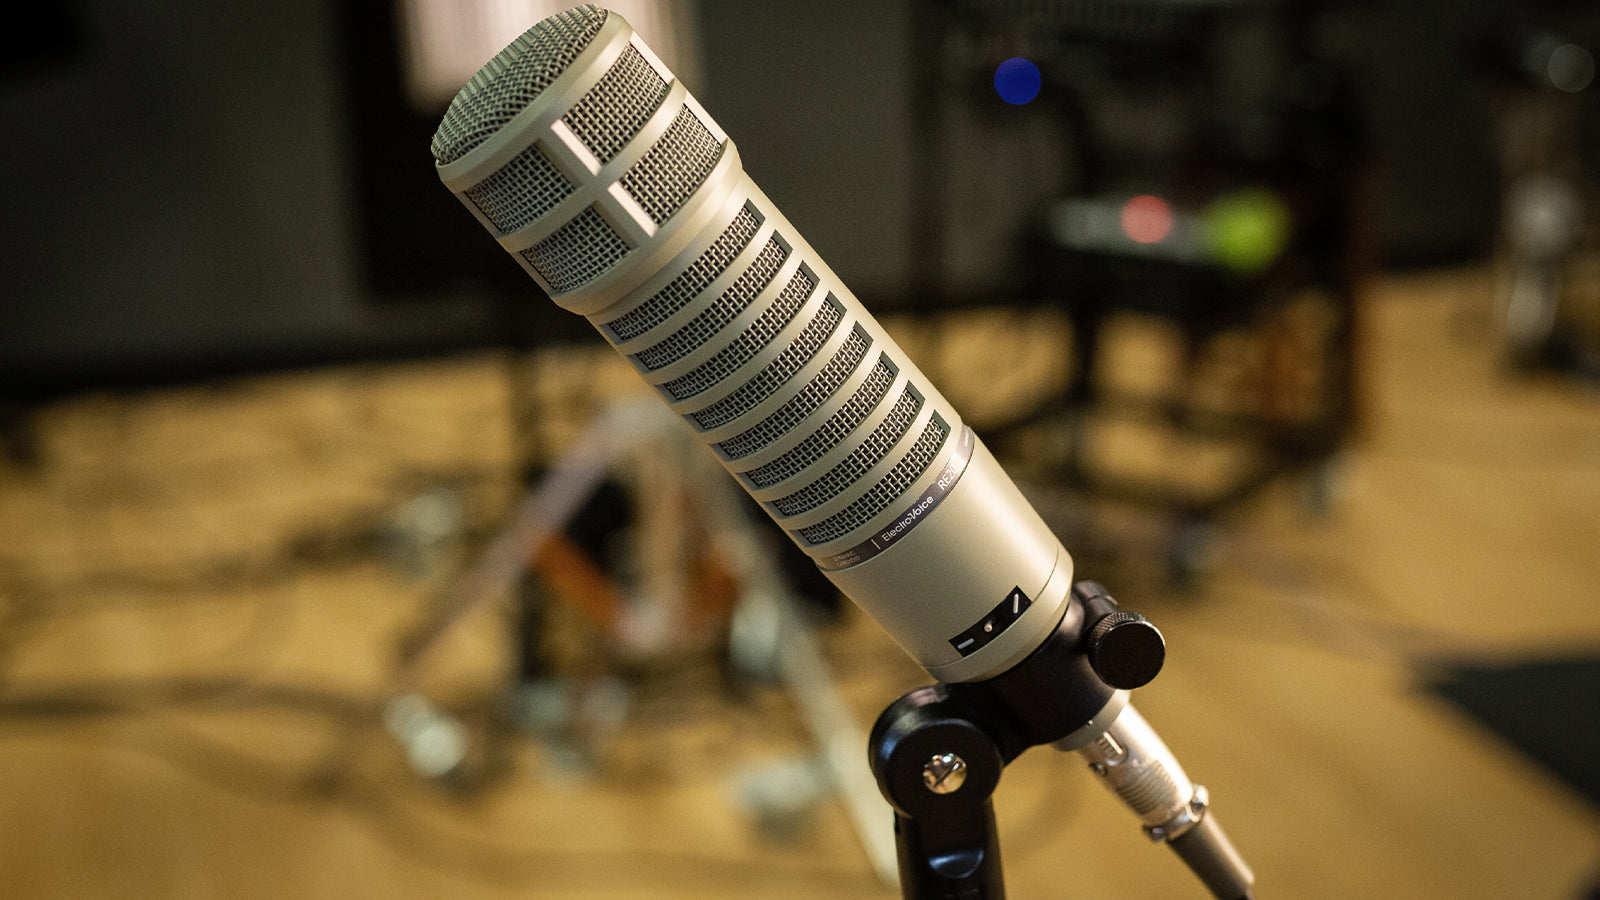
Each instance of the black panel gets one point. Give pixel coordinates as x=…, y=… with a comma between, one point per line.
x=1549, y=709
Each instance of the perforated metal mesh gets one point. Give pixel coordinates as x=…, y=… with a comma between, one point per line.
x=690, y=282
x=614, y=110
x=716, y=316
x=743, y=348
x=512, y=80
x=678, y=163
x=759, y=388
x=814, y=394
x=520, y=191
x=581, y=251
x=860, y=461
x=885, y=492
x=841, y=423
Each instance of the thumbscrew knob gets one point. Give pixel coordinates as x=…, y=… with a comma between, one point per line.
x=1126, y=649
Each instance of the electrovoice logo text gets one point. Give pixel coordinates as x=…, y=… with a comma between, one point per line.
x=911, y=518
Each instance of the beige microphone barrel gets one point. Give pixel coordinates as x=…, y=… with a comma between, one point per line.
x=607, y=182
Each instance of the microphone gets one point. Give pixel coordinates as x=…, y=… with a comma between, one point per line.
x=608, y=183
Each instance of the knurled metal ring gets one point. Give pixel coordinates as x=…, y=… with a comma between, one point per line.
x=1187, y=818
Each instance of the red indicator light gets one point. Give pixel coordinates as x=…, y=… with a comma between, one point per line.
x=1147, y=219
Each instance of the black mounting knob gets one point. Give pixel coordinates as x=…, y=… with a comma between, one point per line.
x=1126, y=649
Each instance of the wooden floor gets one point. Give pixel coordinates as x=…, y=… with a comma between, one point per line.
x=204, y=592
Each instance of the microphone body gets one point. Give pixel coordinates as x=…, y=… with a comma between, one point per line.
x=595, y=169
x=610, y=185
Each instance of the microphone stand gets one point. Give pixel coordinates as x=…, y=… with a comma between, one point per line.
x=938, y=751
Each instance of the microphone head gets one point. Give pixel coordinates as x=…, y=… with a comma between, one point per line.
x=576, y=147
x=513, y=79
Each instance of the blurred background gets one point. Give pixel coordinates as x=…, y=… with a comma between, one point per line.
x=336, y=561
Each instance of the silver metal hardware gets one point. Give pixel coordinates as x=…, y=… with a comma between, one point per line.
x=945, y=773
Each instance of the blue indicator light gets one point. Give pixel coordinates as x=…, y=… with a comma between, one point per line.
x=1017, y=80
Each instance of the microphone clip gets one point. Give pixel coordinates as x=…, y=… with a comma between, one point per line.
x=937, y=752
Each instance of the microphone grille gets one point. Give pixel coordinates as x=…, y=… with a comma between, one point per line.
x=750, y=342
x=579, y=252
x=830, y=314
x=512, y=80
x=521, y=192
x=853, y=413
x=674, y=168
x=861, y=460
x=799, y=407
x=614, y=110
x=883, y=493
x=690, y=282
x=711, y=320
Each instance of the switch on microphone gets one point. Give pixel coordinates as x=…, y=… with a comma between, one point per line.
x=975, y=638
